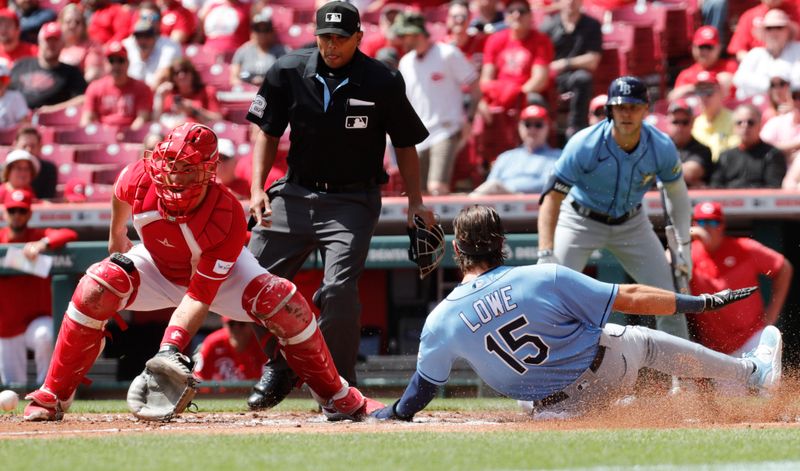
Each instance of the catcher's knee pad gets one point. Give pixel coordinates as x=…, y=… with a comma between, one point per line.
x=106, y=288
x=274, y=302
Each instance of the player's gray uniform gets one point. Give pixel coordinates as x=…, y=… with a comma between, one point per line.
x=608, y=183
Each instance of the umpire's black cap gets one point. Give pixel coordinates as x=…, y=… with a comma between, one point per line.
x=338, y=17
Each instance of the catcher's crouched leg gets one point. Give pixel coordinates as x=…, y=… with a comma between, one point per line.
x=274, y=302
x=107, y=287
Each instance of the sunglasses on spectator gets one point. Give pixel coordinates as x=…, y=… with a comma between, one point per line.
x=460, y=18
x=520, y=10
x=680, y=122
x=708, y=223
x=116, y=60
x=144, y=35
x=262, y=29
x=774, y=28
x=20, y=211
x=533, y=124
x=778, y=84
x=705, y=47
x=747, y=122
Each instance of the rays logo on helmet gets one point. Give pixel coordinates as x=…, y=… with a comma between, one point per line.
x=624, y=88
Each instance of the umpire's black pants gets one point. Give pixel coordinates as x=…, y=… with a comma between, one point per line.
x=340, y=226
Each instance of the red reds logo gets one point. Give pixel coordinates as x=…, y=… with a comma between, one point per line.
x=437, y=76
x=38, y=81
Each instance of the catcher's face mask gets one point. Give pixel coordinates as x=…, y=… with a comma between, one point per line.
x=427, y=246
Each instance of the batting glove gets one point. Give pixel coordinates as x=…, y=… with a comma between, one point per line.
x=725, y=297
x=545, y=256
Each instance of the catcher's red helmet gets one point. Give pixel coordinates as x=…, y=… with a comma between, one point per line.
x=181, y=166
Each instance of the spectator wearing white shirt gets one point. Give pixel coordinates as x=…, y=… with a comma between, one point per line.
x=149, y=54
x=753, y=75
x=13, y=108
x=435, y=76
x=783, y=131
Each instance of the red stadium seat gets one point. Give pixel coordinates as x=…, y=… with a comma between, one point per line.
x=110, y=154
x=217, y=75
x=669, y=23
x=137, y=136
x=282, y=16
x=297, y=36
x=91, y=134
x=58, y=154
x=238, y=133
x=7, y=136
x=69, y=116
x=70, y=171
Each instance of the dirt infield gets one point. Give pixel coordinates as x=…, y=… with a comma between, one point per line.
x=646, y=410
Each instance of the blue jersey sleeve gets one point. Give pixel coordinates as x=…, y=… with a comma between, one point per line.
x=668, y=160
x=589, y=300
x=436, y=357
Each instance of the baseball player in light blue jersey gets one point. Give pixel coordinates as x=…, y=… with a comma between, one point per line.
x=594, y=199
x=539, y=333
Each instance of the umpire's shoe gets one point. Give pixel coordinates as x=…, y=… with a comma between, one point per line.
x=273, y=387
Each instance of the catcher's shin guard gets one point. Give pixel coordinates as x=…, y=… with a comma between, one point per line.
x=273, y=302
x=106, y=288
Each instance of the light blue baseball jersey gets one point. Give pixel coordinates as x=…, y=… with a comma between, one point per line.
x=527, y=331
x=607, y=179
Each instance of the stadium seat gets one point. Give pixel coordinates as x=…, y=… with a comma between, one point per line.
x=69, y=171
x=66, y=117
x=58, y=153
x=7, y=136
x=297, y=35
x=121, y=154
x=238, y=133
x=217, y=75
x=137, y=136
x=282, y=16
x=669, y=23
x=91, y=134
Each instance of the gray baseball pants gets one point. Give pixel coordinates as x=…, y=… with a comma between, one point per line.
x=631, y=348
x=340, y=226
x=633, y=243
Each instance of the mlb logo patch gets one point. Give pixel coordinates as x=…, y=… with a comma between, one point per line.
x=356, y=122
x=333, y=17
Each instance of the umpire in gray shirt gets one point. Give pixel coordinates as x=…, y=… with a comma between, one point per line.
x=339, y=104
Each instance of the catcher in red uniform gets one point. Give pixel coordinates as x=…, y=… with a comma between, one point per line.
x=192, y=257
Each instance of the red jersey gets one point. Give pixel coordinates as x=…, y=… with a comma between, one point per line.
x=117, y=106
x=23, y=49
x=514, y=58
x=198, y=253
x=219, y=361
x=111, y=23
x=688, y=76
x=205, y=98
x=736, y=264
x=15, y=315
x=178, y=18
x=743, y=38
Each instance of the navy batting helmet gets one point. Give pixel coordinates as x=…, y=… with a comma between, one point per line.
x=626, y=89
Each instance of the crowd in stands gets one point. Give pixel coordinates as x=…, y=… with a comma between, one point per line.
x=92, y=82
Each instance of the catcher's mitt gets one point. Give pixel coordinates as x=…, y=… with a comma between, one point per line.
x=164, y=389
x=427, y=246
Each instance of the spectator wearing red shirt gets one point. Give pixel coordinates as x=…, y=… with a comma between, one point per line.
x=109, y=21
x=177, y=22
x=117, y=99
x=26, y=325
x=184, y=97
x=515, y=68
x=469, y=40
x=746, y=35
x=231, y=353
x=226, y=170
x=719, y=262
x=79, y=50
x=11, y=47
x=226, y=26
x=706, y=51
x=384, y=38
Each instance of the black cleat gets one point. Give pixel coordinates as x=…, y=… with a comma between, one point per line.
x=273, y=387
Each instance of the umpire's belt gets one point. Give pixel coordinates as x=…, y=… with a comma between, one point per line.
x=555, y=398
x=325, y=187
x=605, y=218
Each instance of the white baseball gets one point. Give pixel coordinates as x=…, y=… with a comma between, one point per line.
x=8, y=400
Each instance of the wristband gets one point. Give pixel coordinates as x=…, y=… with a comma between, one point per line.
x=688, y=303
x=544, y=253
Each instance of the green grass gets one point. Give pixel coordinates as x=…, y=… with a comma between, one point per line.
x=400, y=448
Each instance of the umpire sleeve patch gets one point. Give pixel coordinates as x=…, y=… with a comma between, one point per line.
x=258, y=106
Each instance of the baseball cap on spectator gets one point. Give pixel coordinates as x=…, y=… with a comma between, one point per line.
x=9, y=14
x=145, y=26
x=115, y=49
x=775, y=18
x=680, y=105
x=708, y=210
x=51, y=30
x=262, y=21
x=5, y=73
x=75, y=191
x=18, y=155
x=409, y=23
x=706, y=83
x=598, y=102
x=339, y=18
x=18, y=199
x=706, y=36
x=226, y=148
x=534, y=112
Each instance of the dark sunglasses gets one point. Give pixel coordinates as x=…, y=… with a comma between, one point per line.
x=262, y=29
x=748, y=122
x=778, y=84
x=680, y=122
x=21, y=211
x=533, y=124
x=705, y=47
x=520, y=10
x=116, y=60
x=774, y=28
x=708, y=223
x=144, y=35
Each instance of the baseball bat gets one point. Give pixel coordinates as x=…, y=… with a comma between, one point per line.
x=679, y=275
